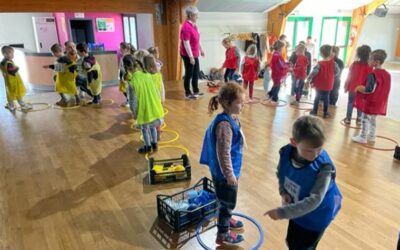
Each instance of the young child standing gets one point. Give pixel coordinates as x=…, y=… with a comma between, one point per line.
x=232, y=59
x=123, y=84
x=15, y=89
x=92, y=73
x=251, y=67
x=65, y=76
x=322, y=78
x=334, y=94
x=310, y=197
x=222, y=151
x=156, y=53
x=144, y=102
x=375, y=96
x=300, y=72
x=279, y=70
x=358, y=73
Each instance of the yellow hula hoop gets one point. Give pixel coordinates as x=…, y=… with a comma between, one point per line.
x=169, y=141
x=166, y=111
x=66, y=108
x=107, y=102
x=164, y=125
x=169, y=146
x=46, y=106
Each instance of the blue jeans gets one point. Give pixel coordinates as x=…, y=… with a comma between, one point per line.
x=229, y=74
x=274, y=92
x=349, y=113
x=299, y=84
x=267, y=79
x=324, y=95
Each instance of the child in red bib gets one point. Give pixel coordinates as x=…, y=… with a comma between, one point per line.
x=279, y=69
x=300, y=72
x=232, y=59
x=322, y=78
x=374, y=97
x=251, y=67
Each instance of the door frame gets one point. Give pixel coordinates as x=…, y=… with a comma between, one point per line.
x=337, y=18
x=136, y=30
x=297, y=19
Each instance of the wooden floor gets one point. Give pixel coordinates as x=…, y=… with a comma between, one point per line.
x=71, y=179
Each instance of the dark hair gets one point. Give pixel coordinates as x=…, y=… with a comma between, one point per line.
x=278, y=45
x=82, y=47
x=132, y=48
x=363, y=53
x=325, y=50
x=6, y=49
x=283, y=36
x=226, y=95
x=309, y=37
x=131, y=63
x=379, y=55
x=56, y=48
x=310, y=129
x=336, y=49
x=124, y=45
x=149, y=63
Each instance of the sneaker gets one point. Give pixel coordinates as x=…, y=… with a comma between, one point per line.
x=358, y=121
x=359, y=139
x=313, y=113
x=77, y=102
x=235, y=224
x=347, y=121
x=124, y=104
x=144, y=150
x=12, y=108
x=62, y=103
x=199, y=93
x=327, y=115
x=228, y=238
x=26, y=107
x=154, y=146
x=189, y=96
x=371, y=138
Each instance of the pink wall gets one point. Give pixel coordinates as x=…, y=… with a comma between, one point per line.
x=61, y=26
x=111, y=40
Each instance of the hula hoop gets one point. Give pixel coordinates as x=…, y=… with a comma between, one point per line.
x=349, y=126
x=280, y=103
x=66, y=108
x=166, y=111
x=146, y=156
x=46, y=106
x=169, y=141
x=163, y=126
x=380, y=149
x=107, y=102
x=259, y=227
x=300, y=108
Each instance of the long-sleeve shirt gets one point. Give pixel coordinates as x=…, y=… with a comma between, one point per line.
x=132, y=99
x=317, y=194
x=371, y=84
x=224, y=137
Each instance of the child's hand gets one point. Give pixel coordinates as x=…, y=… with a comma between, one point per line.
x=286, y=199
x=273, y=214
x=232, y=181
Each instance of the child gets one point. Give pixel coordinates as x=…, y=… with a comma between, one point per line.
x=155, y=52
x=125, y=50
x=375, y=97
x=65, y=76
x=150, y=65
x=222, y=152
x=310, y=197
x=358, y=74
x=279, y=70
x=15, y=88
x=145, y=103
x=251, y=66
x=322, y=78
x=232, y=59
x=300, y=72
x=334, y=94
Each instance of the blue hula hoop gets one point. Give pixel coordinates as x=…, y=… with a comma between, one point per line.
x=259, y=227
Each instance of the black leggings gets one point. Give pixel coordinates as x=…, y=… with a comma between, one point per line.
x=229, y=74
x=191, y=73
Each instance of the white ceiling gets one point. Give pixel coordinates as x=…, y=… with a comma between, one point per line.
x=237, y=5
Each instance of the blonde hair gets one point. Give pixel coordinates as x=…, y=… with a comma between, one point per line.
x=6, y=49
x=226, y=95
x=251, y=50
x=140, y=54
x=149, y=63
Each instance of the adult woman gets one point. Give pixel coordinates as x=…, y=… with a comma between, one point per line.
x=190, y=49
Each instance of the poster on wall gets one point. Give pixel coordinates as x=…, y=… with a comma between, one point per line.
x=105, y=24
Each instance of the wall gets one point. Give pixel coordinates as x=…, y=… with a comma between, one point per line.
x=213, y=27
x=144, y=24
x=18, y=28
x=372, y=33
x=111, y=40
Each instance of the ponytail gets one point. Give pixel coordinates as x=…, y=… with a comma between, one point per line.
x=228, y=93
x=213, y=104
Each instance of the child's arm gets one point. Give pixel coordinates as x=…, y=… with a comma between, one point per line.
x=347, y=82
x=11, y=69
x=237, y=54
x=224, y=141
x=308, y=204
x=132, y=99
x=370, y=87
x=313, y=73
x=337, y=70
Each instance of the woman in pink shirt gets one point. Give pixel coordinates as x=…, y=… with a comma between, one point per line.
x=190, y=50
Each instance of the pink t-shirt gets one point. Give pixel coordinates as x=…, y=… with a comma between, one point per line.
x=189, y=32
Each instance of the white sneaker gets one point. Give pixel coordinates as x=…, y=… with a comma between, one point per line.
x=12, y=108
x=26, y=107
x=371, y=138
x=359, y=139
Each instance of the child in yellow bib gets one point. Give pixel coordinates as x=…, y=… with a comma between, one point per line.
x=145, y=102
x=66, y=73
x=15, y=88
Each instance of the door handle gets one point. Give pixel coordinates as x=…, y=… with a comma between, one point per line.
x=41, y=46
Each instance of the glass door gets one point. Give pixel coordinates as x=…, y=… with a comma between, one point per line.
x=336, y=31
x=297, y=29
x=130, y=32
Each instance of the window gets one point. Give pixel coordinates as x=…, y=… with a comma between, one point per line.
x=130, y=33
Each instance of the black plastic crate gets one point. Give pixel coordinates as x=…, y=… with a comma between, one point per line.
x=169, y=176
x=181, y=219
